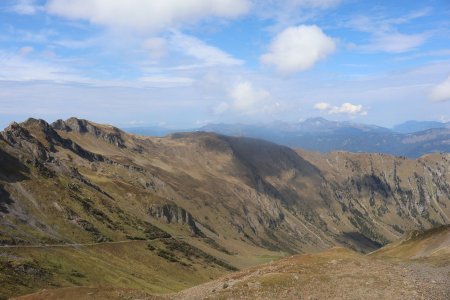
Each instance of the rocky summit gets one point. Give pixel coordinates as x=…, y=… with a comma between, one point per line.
x=89, y=205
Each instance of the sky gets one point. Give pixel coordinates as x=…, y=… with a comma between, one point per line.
x=187, y=63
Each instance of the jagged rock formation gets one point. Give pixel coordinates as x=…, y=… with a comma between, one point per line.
x=111, y=135
x=173, y=214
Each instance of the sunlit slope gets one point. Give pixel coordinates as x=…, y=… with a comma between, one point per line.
x=339, y=273
x=429, y=245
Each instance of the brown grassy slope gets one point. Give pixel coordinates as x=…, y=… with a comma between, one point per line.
x=88, y=293
x=339, y=273
x=431, y=245
x=336, y=273
x=333, y=274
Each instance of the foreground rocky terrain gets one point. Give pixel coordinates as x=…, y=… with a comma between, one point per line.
x=84, y=204
x=338, y=273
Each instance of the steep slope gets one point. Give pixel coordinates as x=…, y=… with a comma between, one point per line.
x=237, y=201
x=394, y=189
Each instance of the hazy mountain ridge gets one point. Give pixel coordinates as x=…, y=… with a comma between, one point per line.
x=79, y=182
x=318, y=134
x=416, y=126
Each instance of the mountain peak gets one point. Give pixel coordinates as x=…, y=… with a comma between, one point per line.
x=109, y=133
x=317, y=119
x=82, y=126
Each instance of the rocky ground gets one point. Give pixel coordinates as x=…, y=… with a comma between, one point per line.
x=334, y=274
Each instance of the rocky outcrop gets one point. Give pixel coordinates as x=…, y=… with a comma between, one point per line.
x=173, y=214
x=19, y=137
x=113, y=136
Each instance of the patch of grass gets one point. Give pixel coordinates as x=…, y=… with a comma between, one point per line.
x=193, y=252
x=125, y=265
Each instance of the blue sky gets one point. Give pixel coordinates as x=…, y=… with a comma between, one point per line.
x=185, y=63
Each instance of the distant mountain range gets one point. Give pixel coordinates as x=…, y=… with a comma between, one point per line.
x=416, y=126
x=411, y=139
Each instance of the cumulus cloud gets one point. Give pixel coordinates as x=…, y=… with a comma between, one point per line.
x=146, y=15
x=248, y=99
x=322, y=106
x=298, y=49
x=345, y=108
x=209, y=55
x=441, y=92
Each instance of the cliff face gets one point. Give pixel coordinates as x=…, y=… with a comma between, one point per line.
x=79, y=181
x=173, y=214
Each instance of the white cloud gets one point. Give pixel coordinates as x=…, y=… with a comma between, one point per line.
x=209, y=55
x=441, y=92
x=298, y=49
x=25, y=7
x=322, y=106
x=248, y=99
x=146, y=15
x=345, y=108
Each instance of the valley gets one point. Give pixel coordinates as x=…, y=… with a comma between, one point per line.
x=88, y=208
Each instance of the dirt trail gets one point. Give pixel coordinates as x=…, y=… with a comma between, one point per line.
x=77, y=244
